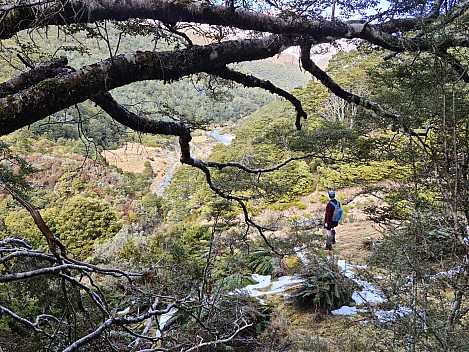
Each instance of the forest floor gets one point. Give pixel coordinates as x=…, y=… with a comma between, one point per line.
x=316, y=330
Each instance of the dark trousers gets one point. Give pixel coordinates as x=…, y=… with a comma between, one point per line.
x=330, y=240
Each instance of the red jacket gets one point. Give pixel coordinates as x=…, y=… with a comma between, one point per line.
x=328, y=215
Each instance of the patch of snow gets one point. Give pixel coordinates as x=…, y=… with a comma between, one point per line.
x=264, y=282
x=346, y=310
x=342, y=264
x=367, y=294
x=124, y=311
x=301, y=255
x=163, y=319
x=386, y=316
x=283, y=283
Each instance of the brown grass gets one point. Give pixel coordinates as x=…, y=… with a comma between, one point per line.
x=352, y=231
x=132, y=157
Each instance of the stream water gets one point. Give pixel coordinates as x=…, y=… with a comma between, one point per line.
x=226, y=139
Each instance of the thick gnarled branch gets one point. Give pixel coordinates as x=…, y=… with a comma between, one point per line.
x=41, y=14
x=34, y=76
x=47, y=97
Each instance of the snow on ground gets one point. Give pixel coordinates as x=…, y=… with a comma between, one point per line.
x=386, y=316
x=367, y=294
x=163, y=319
x=265, y=286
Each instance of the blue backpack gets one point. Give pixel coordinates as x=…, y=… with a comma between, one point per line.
x=337, y=214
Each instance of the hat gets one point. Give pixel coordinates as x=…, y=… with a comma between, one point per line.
x=331, y=194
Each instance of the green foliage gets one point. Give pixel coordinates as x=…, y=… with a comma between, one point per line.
x=147, y=171
x=324, y=287
x=187, y=194
x=149, y=211
x=181, y=246
x=238, y=280
x=13, y=168
x=127, y=249
x=84, y=221
x=283, y=73
x=138, y=184
x=262, y=262
x=300, y=206
x=352, y=174
x=262, y=142
x=155, y=141
x=20, y=223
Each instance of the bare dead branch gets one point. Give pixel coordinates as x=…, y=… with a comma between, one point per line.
x=23, y=253
x=41, y=271
x=15, y=241
x=148, y=325
x=116, y=321
x=23, y=321
x=105, y=271
x=220, y=341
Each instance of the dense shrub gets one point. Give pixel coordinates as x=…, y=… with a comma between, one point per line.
x=324, y=288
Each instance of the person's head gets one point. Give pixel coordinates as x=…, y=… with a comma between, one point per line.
x=331, y=194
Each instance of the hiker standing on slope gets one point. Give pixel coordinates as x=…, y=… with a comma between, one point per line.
x=329, y=223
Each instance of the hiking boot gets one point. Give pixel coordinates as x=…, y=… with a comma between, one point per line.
x=333, y=240
x=333, y=236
